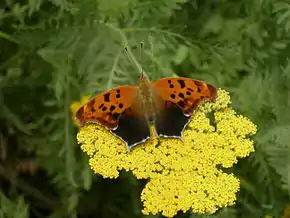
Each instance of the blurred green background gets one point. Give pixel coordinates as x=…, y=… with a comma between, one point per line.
x=53, y=52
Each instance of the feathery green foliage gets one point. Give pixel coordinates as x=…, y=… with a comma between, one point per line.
x=52, y=52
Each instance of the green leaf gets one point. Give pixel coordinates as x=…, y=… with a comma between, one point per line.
x=181, y=54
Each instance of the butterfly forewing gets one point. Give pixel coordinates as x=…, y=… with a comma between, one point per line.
x=184, y=92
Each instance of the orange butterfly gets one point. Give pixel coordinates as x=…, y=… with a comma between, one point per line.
x=127, y=111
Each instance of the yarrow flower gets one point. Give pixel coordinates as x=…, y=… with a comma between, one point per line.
x=182, y=175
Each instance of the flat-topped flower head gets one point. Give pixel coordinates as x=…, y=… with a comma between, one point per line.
x=182, y=175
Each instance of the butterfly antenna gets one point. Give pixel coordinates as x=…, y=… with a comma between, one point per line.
x=133, y=59
x=141, y=57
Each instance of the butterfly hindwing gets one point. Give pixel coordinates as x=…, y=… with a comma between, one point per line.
x=133, y=127
x=170, y=120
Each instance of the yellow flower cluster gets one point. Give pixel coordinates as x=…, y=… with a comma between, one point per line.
x=182, y=175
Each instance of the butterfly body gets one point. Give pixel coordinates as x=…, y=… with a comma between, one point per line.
x=128, y=111
x=146, y=98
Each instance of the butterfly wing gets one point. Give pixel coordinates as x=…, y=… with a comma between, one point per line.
x=133, y=127
x=179, y=97
x=118, y=111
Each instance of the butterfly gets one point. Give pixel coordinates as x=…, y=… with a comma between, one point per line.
x=128, y=111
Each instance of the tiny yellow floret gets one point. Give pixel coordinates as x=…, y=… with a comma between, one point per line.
x=182, y=175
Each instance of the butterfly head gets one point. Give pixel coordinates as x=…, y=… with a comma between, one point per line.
x=144, y=78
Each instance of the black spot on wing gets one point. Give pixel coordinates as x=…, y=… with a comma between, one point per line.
x=118, y=96
x=102, y=105
x=112, y=108
x=189, y=89
x=198, y=83
x=181, y=95
x=172, y=96
x=121, y=105
x=171, y=86
x=104, y=108
x=188, y=92
x=107, y=97
x=118, y=91
x=181, y=83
